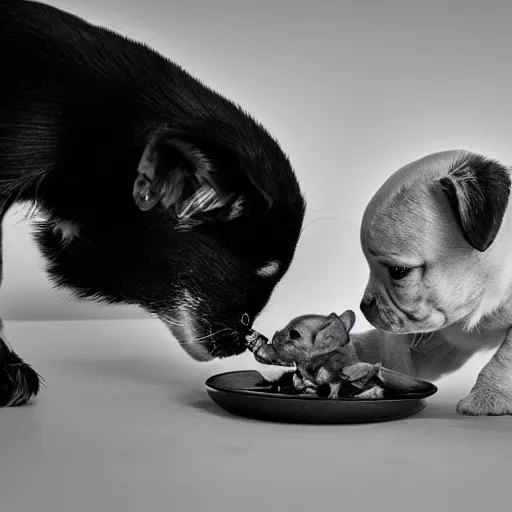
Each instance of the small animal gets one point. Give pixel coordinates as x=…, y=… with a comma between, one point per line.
x=320, y=349
x=157, y=191
x=437, y=237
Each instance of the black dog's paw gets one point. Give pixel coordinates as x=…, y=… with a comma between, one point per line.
x=19, y=382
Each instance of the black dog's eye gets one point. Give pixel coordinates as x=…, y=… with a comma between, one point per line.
x=294, y=334
x=398, y=273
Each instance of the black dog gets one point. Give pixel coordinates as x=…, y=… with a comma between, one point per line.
x=158, y=191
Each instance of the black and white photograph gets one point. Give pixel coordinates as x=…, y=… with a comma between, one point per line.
x=255, y=255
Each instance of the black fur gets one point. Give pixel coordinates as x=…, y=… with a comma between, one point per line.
x=18, y=380
x=78, y=105
x=478, y=190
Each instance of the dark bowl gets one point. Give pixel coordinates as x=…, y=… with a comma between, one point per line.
x=249, y=394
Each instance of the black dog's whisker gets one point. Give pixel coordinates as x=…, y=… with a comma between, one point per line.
x=202, y=338
x=314, y=221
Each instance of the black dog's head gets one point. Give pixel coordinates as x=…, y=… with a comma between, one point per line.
x=229, y=222
x=199, y=233
x=180, y=201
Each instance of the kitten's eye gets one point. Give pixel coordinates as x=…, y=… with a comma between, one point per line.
x=293, y=334
x=398, y=273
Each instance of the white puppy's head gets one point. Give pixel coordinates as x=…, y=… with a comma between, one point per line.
x=437, y=244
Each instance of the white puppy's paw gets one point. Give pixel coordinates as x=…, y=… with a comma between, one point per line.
x=485, y=401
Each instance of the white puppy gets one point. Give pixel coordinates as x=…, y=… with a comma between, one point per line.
x=438, y=240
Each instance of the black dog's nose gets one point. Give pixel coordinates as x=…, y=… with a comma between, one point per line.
x=367, y=304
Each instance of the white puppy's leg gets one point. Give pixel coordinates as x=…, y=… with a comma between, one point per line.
x=492, y=393
x=430, y=360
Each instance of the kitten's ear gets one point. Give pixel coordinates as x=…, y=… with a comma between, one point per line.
x=478, y=190
x=348, y=318
x=332, y=334
x=177, y=175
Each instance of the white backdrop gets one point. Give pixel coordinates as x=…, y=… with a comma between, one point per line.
x=352, y=89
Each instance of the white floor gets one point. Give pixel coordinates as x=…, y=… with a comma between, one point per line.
x=126, y=425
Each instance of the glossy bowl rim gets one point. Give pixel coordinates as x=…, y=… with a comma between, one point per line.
x=307, y=397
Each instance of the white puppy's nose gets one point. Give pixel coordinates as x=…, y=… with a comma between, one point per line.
x=368, y=306
x=367, y=303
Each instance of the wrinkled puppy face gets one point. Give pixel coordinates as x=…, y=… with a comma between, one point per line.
x=310, y=336
x=224, y=227
x=427, y=235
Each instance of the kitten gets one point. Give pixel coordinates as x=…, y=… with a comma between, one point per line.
x=325, y=360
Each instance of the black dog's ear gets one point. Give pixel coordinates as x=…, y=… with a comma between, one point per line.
x=478, y=190
x=178, y=175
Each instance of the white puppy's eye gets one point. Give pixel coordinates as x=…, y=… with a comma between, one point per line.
x=398, y=273
x=268, y=270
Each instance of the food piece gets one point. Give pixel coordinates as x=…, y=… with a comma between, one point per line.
x=254, y=340
x=361, y=374
x=371, y=393
x=263, y=351
x=399, y=383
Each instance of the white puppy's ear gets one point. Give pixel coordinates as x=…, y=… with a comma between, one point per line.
x=176, y=174
x=478, y=190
